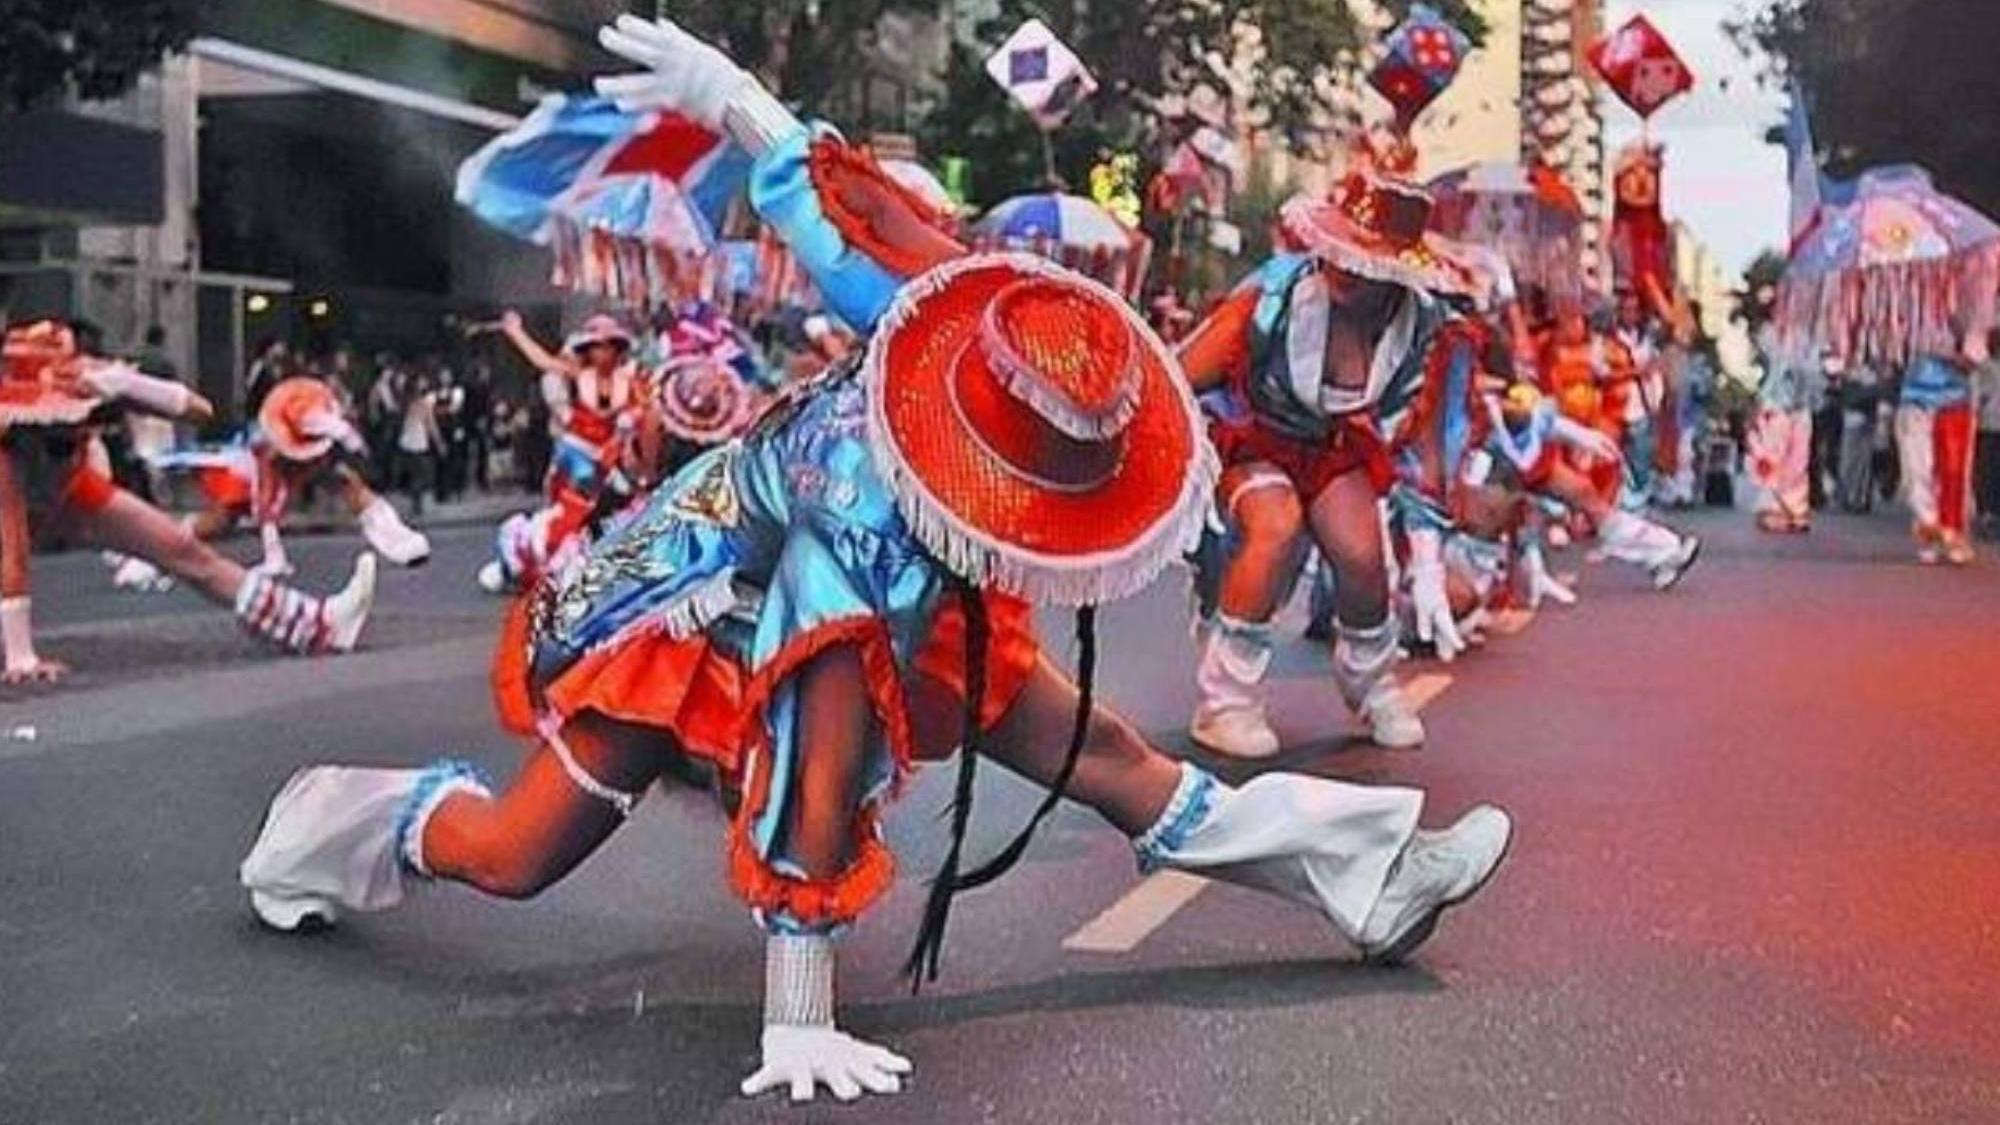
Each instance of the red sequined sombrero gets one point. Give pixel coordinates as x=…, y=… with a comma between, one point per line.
x=1037, y=433
x=296, y=418
x=38, y=377
x=1377, y=228
x=702, y=400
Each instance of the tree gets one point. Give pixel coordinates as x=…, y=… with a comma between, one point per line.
x=89, y=48
x=803, y=50
x=1286, y=58
x=1889, y=81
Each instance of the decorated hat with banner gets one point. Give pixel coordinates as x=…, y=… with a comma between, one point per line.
x=300, y=418
x=38, y=377
x=1035, y=430
x=1377, y=227
x=1641, y=67
x=1420, y=57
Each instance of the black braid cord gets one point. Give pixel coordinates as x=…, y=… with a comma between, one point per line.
x=929, y=947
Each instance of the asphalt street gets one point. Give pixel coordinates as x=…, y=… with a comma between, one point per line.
x=1757, y=880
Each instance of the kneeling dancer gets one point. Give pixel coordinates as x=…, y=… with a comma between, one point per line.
x=846, y=592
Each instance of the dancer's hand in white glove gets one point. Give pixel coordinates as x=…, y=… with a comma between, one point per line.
x=1430, y=600
x=1542, y=584
x=804, y=1058
x=682, y=72
x=1595, y=443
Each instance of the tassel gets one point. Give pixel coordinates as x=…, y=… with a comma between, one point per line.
x=929, y=947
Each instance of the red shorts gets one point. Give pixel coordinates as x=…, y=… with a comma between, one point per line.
x=87, y=491
x=1353, y=445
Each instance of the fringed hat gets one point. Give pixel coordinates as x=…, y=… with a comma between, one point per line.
x=600, y=329
x=1035, y=430
x=703, y=400
x=295, y=418
x=38, y=377
x=1378, y=228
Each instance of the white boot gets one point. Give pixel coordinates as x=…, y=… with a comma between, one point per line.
x=391, y=537
x=1229, y=718
x=1665, y=555
x=1542, y=586
x=1324, y=844
x=129, y=572
x=1364, y=662
x=300, y=623
x=338, y=838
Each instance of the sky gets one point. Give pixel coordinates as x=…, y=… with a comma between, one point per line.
x=1721, y=178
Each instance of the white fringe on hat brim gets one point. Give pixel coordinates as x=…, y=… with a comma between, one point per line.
x=983, y=559
x=1352, y=259
x=48, y=412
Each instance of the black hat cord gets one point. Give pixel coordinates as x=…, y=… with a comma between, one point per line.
x=926, y=953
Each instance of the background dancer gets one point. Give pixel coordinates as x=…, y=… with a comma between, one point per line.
x=50, y=397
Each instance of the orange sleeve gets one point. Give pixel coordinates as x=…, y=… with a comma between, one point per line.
x=1218, y=350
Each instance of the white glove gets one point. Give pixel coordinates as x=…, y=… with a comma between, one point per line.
x=682, y=72
x=1430, y=601
x=1541, y=584
x=804, y=1058
x=1593, y=442
x=330, y=424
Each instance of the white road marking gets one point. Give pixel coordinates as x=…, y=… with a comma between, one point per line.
x=1144, y=908
x=1159, y=896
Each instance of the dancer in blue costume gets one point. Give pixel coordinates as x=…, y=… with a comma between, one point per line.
x=845, y=593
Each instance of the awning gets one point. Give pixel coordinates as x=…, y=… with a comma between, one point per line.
x=63, y=167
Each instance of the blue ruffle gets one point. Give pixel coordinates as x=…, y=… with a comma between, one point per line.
x=1193, y=799
x=434, y=777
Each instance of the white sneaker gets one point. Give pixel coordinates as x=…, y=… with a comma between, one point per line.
x=1437, y=870
x=492, y=577
x=140, y=576
x=293, y=914
x=1675, y=567
x=391, y=537
x=347, y=611
x=276, y=566
x=1235, y=732
x=1392, y=723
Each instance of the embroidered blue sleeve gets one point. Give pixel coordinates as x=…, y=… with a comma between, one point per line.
x=856, y=287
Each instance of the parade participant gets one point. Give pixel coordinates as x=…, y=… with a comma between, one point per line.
x=1634, y=396
x=1319, y=369
x=50, y=395
x=1934, y=427
x=301, y=435
x=1527, y=438
x=595, y=395
x=845, y=592
x=1779, y=443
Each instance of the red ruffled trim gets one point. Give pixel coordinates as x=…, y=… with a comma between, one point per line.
x=686, y=688
x=835, y=169
x=842, y=898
